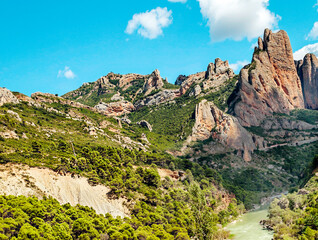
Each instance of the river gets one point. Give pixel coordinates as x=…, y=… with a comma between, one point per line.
x=247, y=227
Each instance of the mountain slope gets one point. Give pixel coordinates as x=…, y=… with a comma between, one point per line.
x=87, y=150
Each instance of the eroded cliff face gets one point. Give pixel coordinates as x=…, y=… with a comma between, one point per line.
x=226, y=129
x=308, y=73
x=22, y=180
x=270, y=84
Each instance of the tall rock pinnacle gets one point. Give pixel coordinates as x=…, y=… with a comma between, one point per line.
x=308, y=73
x=270, y=84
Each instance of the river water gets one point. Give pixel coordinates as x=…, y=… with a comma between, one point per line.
x=247, y=227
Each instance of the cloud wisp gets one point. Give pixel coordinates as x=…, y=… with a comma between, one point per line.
x=150, y=24
x=311, y=48
x=237, y=19
x=238, y=65
x=313, y=34
x=67, y=73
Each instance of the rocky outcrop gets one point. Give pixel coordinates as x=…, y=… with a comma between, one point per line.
x=212, y=122
x=115, y=108
x=145, y=124
x=215, y=76
x=159, y=98
x=154, y=82
x=7, y=96
x=270, y=84
x=308, y=72
x=196, y=91
x=117, y=97
x=218, y=68
x=24, y=98
x=180, y=79
x=8, y=134
x=125, y=81
x=15, y=115
x=190, y=80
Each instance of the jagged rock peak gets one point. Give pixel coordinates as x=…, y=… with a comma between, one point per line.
x=6, y=96
x=153, y=82
x=308, y=72
x=181, y=79
x=218, y=67
x=269, y=84
x=156, y=74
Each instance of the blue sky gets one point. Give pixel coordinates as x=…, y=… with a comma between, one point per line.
x=55, y=46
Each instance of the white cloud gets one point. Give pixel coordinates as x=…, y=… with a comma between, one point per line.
x=149, y=24
x=238, y=65
x=311, y=48
x=314, y=32
x=237, y=19
x=181, y=1
x=67, y=73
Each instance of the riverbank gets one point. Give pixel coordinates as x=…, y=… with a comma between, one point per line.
x=247, y=227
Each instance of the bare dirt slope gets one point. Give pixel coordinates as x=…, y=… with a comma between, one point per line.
x=23, y=180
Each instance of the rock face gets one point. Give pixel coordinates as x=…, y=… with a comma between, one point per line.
x=217, y=73
x=217, y=68
x=308, y=73
x=115, y=108
x=159, y=98
x=212, y=122
x=180, y=79
x=270, y=84
x=7, y=97
x=196, y=91
x=154, y=82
